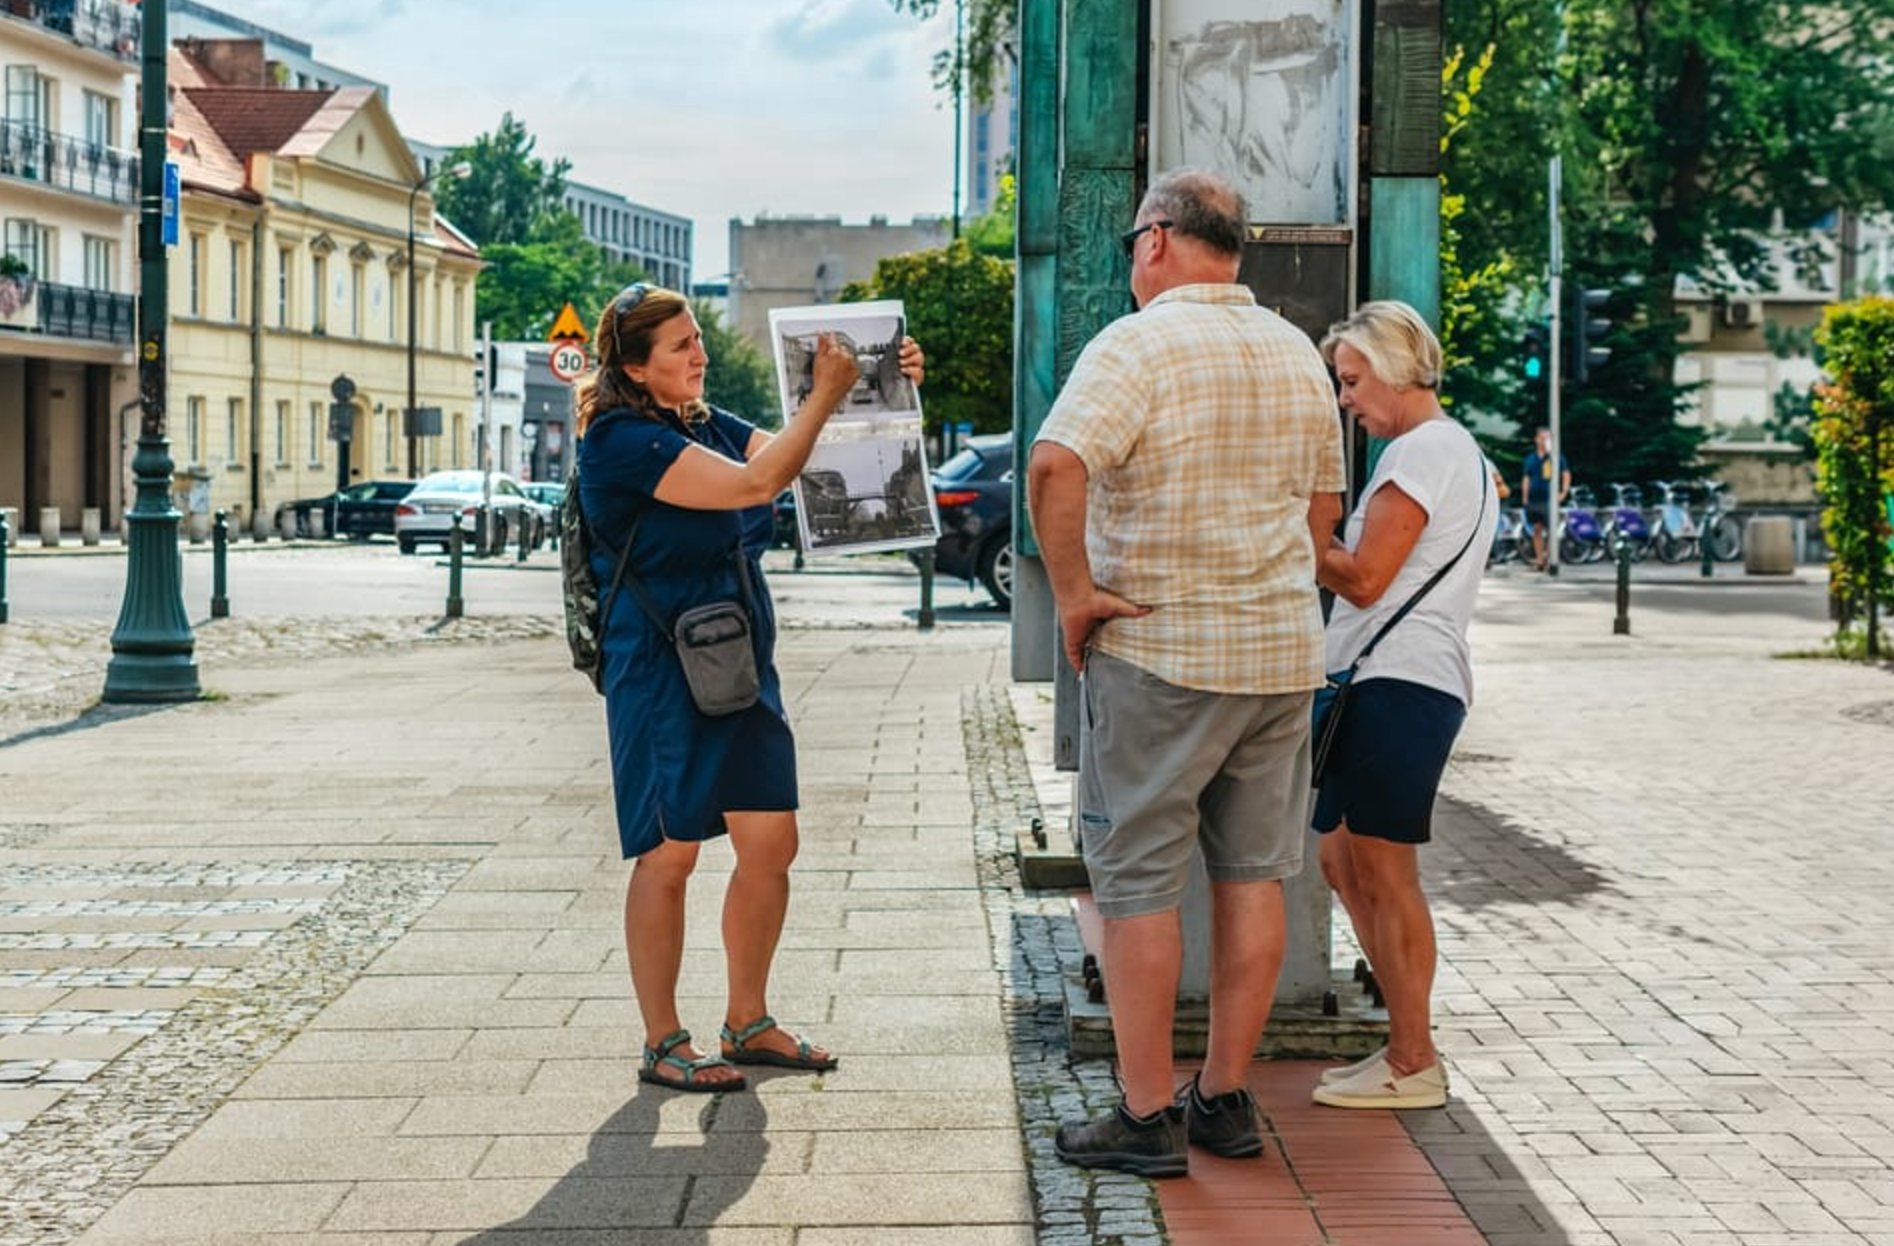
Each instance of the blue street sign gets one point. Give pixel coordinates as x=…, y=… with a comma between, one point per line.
x=168, y=216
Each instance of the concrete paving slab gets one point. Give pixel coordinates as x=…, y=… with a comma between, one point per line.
x=617, y=1204
x=234, y=1210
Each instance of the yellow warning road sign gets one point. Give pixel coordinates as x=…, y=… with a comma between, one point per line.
x=568, y=327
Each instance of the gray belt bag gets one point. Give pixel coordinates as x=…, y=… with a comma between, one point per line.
x=718, y=653
x=715, y=643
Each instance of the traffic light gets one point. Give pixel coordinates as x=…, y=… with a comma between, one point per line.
x=1589, y=327
x=1538, y=349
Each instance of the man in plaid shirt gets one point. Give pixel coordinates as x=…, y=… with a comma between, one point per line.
x=1187, y=473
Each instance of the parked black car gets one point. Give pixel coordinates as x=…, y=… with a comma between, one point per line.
x=357, y=512
x=973, y=492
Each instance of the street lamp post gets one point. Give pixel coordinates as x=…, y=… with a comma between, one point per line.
x=153, y=649
x=410, y=416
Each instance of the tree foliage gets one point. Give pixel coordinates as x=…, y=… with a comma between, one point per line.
x=1854, y=440
x=960, y=309
x=990, y=46
x=536, y=253
x=996, y=232
x=739, y=379
x=511, y=196
x=524, y=285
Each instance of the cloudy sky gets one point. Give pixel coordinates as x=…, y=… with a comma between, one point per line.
x=708, y=108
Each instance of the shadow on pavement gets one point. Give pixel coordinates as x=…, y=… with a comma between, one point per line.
x=631, y=1169
x=1479, y=859
x=1477, y=1171
x=97, y=715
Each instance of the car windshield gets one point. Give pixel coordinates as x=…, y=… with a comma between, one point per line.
x=976, y=462
x=450, y=482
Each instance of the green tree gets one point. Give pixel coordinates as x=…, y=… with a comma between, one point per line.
x=994, y=234
x=1854, y=466
x=739, y=379
x=960, y=309
x=1698, y=128
x=524, y=285
x=511, y=196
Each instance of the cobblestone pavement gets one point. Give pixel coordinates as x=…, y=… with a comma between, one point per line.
x=1661, y=878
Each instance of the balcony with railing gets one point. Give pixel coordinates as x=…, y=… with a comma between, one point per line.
x=69, y=163
x=31, y=307
x=109, y=26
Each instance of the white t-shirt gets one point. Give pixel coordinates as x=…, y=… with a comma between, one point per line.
x=1440, y=466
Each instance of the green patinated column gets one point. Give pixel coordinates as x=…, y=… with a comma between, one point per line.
x=1081, y=145
x=1035, y=319
x=1403, y=260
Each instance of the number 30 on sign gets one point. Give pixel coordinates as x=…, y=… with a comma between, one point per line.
x=567, y=361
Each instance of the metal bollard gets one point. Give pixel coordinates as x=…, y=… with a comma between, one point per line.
x=6, y=535
x=219, y=554
x=1621, y=626
x=526, y=531
x=926, y=619
x=456, y=543
x=1703, y=545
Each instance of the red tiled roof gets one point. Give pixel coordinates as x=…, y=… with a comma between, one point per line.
x=253, y=119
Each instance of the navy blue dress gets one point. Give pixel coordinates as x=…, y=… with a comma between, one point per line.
x=676, y=772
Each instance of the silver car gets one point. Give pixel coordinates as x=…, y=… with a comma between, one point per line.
x=426, y=516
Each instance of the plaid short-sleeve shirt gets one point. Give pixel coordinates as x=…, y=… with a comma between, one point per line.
x=1205, y=423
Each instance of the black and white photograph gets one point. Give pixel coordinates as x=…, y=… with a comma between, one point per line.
x=866, y=487
x=1260, y=92
x=873, y=331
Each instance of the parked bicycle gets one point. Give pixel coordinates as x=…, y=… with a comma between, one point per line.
x=1675, y=537
x=1718, y=525
x=1581, y=538
x=1627, y=522
x=1512, y=539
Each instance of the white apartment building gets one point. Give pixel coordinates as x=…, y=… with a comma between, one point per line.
x=68, y=254
x=659, y=242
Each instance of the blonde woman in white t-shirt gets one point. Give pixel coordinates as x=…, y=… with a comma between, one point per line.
x=1429, y=502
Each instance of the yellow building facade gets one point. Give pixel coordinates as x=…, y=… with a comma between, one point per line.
x=290, y=286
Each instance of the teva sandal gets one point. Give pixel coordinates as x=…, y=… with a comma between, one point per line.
x=665, y=1053
x=739, y=1051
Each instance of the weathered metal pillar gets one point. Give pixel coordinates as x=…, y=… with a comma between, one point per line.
x=1403, y=260
x=1035, y=320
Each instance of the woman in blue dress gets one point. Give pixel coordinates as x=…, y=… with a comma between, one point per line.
x=690, y=488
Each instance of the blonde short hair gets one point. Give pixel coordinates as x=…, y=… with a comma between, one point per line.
x=1396, y=342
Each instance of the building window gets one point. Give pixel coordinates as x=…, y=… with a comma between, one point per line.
x=101, y=119
x=282, y=287
x=460, y=437
x=236, y=281
x=318, y=290
x=23, y=237
x=460, y=316
x=356, y=279
x=29, y=97
x=394, y=295
x=194, y=429
x=194, y=299
x=100, y=262
x=315, y=434
x=233, y=435
x=282, y=432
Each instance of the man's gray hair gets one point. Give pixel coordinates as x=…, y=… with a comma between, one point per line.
x=1201, y=205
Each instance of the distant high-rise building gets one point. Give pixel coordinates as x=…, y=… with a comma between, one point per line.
x=793, y=261
x=992, y=137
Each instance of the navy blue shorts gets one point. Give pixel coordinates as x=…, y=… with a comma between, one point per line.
x=1385, y=765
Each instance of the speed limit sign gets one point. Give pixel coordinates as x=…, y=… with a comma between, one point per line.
x=567, y=361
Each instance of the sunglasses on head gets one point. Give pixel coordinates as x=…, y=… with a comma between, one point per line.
x=1129, y=239
x=627, y=299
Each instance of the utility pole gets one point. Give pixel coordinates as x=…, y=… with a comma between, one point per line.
x=1556, y=292
x=153, y=650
